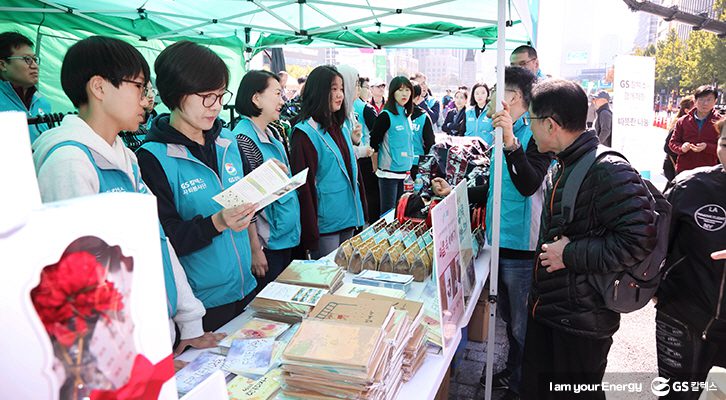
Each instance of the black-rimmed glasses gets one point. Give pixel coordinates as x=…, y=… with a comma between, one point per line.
x=528, y=119
x=208, y=100
x=28, y=59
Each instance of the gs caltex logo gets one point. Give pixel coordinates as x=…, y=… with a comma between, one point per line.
x=230, y=169
x=660, y=386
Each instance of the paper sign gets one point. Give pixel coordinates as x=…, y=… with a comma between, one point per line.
x=265, y=185
x=466, y=247
x=447, y=268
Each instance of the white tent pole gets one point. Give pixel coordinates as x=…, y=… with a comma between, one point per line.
x=333, y=28
x=86, y=17
x=333, y=20
x=497, y=197
x=302, y=6
x=31, y=10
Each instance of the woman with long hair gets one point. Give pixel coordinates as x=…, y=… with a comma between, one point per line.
x=331, y=204
x=392, y=139
x=477, y=122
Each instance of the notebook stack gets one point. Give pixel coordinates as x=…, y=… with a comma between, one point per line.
x=286, y=303
x=315, y=273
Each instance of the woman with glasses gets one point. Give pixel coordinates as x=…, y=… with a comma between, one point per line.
x=477, y=122
x=277, y=226
x=19, y=72
x=187, y=159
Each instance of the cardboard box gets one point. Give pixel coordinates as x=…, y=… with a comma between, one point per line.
x=479, y=323
x=443, y=393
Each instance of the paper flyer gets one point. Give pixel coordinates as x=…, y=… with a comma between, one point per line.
x=447, y=267
x=292, y=293
x=466, y=248
x=265, y=185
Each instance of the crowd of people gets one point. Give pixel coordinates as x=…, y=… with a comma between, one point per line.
x=359, y=139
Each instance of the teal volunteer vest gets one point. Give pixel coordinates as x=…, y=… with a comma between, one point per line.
x=480, y=127
x=339, y=205
x=395, y=153
x=516, y=212
x=220, y=273
x=111, y=179
x=283, y=215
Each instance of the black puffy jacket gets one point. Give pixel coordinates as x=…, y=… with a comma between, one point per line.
x=693, y=289
x=613, y=229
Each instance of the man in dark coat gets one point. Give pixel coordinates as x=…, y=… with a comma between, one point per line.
x=569, y=332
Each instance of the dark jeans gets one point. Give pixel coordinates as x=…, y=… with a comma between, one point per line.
x=370, y=182
x=329, y=243
x=391, y=191
x=515, y=279
x=216, y=317
x=277, y=261
x=552, y=356
x=683, y=356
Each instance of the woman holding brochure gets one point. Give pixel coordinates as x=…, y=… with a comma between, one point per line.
x=259, y=101
x=331, y=201
x=188, y=159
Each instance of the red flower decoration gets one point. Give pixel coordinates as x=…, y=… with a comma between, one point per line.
x=71, y=293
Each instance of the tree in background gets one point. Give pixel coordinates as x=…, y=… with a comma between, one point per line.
x=670, y=63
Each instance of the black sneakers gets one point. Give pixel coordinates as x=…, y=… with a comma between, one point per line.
x=500, y=380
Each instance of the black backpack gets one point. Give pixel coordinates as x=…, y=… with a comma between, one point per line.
x=629, y=290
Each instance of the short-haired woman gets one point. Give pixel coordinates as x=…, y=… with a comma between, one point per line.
x=187, y=159
x=259, y=101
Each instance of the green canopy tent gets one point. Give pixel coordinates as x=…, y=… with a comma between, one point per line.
x=237, y=30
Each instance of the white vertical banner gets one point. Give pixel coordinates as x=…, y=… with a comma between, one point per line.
x=634, y=87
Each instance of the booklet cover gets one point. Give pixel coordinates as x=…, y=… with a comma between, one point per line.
x=263, y=186
x=241, y=388
x=256, y=328
x=317, y=273
x=249, y=357
x=197, y=371
x=353, y=290
x=292, y=293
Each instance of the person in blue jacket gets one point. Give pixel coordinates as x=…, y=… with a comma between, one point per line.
x=422, y=128
x=19, y=72
x=259, y=101
x=332, y=200
x=187, y=159
x=107, y=80
x=477, y=122
x=392, y=139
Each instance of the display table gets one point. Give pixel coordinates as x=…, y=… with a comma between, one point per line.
x=425, y=383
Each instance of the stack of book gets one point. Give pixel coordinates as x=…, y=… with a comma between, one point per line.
x=315, y=273
x=285, y=302
x=357, y=348
x=388, y=280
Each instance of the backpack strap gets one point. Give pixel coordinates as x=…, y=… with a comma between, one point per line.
x=577, y=176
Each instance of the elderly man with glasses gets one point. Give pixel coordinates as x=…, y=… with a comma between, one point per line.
x=19, y=71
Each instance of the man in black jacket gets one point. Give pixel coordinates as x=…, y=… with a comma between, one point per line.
x=691, y=318
x=603, y=118
x=569, y=332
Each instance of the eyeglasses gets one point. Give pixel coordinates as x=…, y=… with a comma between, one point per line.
x=528, y=119
x=208, y=100
x=146, y=91
x=524, y=62
x=28, y=59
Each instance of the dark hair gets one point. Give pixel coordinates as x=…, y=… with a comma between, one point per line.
x=316, y=100
x=301, y=80
x=10, y=41
x=397, y=83
x=474, y=88
x=705, y=90
x=462, y=91
x=255, y=81
x=186, y=68
x=564, y=101
x=521, y=79
x=685, y=104
x=531, y=52
x=111, y=59
x=362, y=80
x=416, y=89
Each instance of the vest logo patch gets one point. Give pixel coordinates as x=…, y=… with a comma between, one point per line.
x=711, y=217
x=399, y=128
x=230, y=169
x=193, y=185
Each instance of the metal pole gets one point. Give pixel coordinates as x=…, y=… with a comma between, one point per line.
x=497, y=196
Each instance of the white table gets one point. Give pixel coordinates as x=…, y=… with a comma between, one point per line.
x=425, y=383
